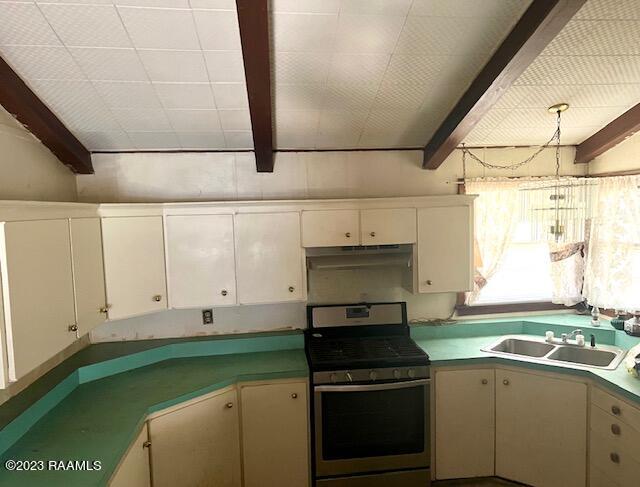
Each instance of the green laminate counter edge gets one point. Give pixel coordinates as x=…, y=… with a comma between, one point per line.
x=280, y=356
x=460, y=343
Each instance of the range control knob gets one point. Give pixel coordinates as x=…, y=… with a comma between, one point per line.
x=333, y=378
x=349, y=376
x=411, y=373
x=396, y=373
x=373, y=375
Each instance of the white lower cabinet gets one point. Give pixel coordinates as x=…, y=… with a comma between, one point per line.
x=134, y=265
x=614, y=458
x=541, y=429
x=133, y=470
x=540, y=426
x=197, y=444
x=275, y=434
x=465, y=423
x=269, y=258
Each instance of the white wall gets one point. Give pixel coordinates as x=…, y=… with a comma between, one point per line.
x=216, y=176
x=28, y=170
x=623, y=157
x=148, y=177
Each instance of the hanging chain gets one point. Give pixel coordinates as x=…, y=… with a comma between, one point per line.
x=513, y=167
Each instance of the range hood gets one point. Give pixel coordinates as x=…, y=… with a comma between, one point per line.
x=359, y=257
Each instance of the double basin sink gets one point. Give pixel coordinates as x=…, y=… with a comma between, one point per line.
x=538, y=350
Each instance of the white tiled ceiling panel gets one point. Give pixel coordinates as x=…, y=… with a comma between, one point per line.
x=377, y=73
x=134, y=74
x=593, y=64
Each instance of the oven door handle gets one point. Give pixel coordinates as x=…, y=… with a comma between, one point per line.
x=372, y=387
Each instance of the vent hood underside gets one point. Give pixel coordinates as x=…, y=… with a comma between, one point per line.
x=344, y=258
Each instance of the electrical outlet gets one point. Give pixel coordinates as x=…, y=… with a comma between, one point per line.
x=207, y=317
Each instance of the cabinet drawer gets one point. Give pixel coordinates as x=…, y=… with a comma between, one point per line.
x=615, y=464
x=622, y=410
x=622, y=436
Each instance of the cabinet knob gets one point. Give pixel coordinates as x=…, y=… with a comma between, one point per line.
x=615, y=429
x=615, y=458
x=157, y=298
x=291, y=289
x=229, y=405
x=373, y=234
x=73, y=327
x=146, y=444
x=224, y=292
x=105, y=309
x=294, y=396
x=615, y=410
x=505, y=382
x=429, y=282
x=348, y=234
x=485, y=382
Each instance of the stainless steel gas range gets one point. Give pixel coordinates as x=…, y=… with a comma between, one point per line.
x=370, y=412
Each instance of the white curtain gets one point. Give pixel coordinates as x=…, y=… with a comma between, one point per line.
x=496, y=215
x=612, y=275
x=567, y=271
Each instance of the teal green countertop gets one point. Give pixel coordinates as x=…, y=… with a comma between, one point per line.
x=100, y=417
x=461, y=343
x=97, y=410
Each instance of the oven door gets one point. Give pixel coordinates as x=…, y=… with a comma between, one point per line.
x=372, y=427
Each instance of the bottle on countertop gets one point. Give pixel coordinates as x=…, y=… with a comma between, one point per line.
x=595, y=316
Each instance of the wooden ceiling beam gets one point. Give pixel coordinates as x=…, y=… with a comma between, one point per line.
x=541, y=22
x=18, y=99
x=609, y=136
x=253, y=17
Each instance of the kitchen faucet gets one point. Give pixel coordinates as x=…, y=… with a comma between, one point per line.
x=567, y=336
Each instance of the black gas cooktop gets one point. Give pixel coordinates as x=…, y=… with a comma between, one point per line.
x=362, y=352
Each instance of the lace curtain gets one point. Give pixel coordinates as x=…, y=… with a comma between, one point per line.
x=612, y=274
x=495, y=213
x=503, y=203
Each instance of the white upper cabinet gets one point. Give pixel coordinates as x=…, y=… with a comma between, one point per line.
x=201, y=260
x=330, y=228
x=445, y=249
x=37, y=281
x=88, y=273
x=388, y=226
x=134, y=265
x=269, y=257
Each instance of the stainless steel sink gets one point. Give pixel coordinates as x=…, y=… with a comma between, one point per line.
x=538, y=350
x=586, y=356
x=518, y=346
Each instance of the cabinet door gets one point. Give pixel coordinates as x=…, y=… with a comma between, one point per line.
x=201, y=260
x=275, y=438
x=465, y=423
x=388, y=226
x=270, y=265
x=445, y=250
x=38, y=292
x=88, y=272
x=541, y=429
x=134, y=265
x=133, y=470
x=197, y=445
x=330, y=228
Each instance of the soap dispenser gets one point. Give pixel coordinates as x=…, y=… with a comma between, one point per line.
x=595, y=316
